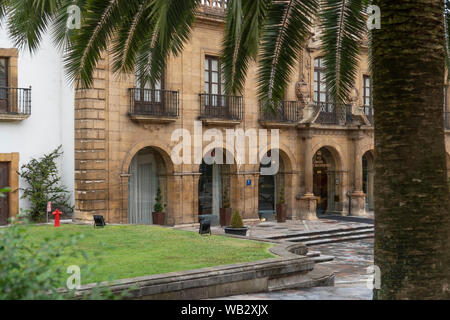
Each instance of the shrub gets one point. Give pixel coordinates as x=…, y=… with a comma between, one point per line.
x=30, y=270
x=158, y=207
x=236, y=220
x=43, y=185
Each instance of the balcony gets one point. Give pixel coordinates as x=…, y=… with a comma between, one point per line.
x=368, y=111
x=287, y=113
x=447, y=120
x=328, y=114
x=15, y=104
x=221, y=109
x=213, y=7
x=153, y=106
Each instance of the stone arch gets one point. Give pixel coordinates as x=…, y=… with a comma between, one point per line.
x=283, y=181
x=328, y=178
x=163, y=152
x=335, y=151
x=164, y=172
x=368, y=174
x=365, y=148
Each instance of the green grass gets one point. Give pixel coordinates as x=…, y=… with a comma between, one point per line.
x=118, y=252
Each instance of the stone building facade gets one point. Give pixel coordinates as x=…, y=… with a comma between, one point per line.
x=124, y=145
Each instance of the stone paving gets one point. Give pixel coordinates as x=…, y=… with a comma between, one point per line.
x=350, y=264
x=270, y=229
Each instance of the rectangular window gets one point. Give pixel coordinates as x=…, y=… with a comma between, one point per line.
x=367, y=90
x=214, y=84
x=320, y=87
x=4, y=103
x=147, y=93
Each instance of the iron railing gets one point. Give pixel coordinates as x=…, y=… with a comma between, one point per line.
x=285, y=111
x=447, y=120
x=221, y=106
x=327, y=113
x=368, y=111
x=330, y=113
x=156, y=103
x=15, y=100
x=213, y=6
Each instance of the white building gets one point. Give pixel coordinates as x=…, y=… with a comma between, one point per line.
x=32, y=130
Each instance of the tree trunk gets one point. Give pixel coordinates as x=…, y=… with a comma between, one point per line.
x=412, y=217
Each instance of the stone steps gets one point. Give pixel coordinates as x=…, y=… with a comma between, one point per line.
x=320, y=232
x=339, y=239
x=329, y=236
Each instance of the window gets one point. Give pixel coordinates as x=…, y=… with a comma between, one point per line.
x=214, y=84
x=3, y=72
x=147, y=93
x=320, y=87
x=4, y=103
x=367, y=91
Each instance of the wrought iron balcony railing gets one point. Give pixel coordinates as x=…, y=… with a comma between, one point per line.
x=368, y=111
x=221, y=106
x=327, y=113
x=153, y=103
x=447, y=120
x=286, y=111
x=15, y=101
x=216, y=7
x=330, y=113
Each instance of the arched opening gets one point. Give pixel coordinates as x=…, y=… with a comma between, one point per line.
x=368, y=178
x=147, y=173
x=327, y=182
x=271, y=188
x=213, y=186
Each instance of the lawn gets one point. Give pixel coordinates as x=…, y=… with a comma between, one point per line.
x=118, y=252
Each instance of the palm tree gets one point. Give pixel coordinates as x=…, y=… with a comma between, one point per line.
x=412, y=195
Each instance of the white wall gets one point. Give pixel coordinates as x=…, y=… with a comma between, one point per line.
x=52, y=110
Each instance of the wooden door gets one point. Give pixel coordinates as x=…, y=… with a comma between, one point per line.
x=4, y=201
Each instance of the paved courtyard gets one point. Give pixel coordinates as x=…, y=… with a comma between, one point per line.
x=350, y=265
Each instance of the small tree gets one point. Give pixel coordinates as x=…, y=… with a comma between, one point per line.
x=158, y=207
x=236, y=220
x=44, y=184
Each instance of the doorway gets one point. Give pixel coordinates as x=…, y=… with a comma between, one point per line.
x=4, y=201
x=142, y=187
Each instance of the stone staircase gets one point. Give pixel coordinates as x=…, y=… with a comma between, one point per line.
x=328, y=236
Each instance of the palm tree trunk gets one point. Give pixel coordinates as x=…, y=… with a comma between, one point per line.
x=412, y=217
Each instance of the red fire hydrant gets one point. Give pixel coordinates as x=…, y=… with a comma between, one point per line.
x=57, y=213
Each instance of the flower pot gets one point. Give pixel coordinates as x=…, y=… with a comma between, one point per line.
x=225, y=216
x=158, y=218
x=281, y=212
x=236, y=231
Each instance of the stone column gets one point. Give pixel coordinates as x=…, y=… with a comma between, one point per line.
x=308, y=202
x=358, y=198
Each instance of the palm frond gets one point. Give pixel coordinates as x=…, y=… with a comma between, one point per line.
x=286, y=30
x=244, y=24
x=171, y=22
x=101, y=19
x=28, y=20
x=343, y=27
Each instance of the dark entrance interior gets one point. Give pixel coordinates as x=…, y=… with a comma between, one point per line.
x=4, y=201
x=327, y=182
x=266, y=197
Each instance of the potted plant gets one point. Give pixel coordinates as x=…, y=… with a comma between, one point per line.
x=237, y=226
x=281, y=207
x=225, y=211
x=158, y=215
